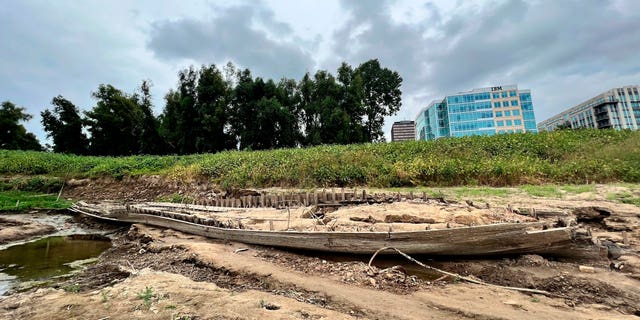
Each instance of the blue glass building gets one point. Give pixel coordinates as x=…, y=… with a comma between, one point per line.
x=484, y=111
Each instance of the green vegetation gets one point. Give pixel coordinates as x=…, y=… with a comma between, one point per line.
x=41, y=184
x=577, y=189
x=14, y=135
x=175, y=198
x=626, y=197
x=545, y=191
x=21, y=200
x=559, y=157
x=146, y=296
x=73, y=288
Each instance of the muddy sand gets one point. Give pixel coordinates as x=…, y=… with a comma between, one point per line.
x=153, y=273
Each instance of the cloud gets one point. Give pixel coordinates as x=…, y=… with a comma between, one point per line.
x=565, y=51
x=248, y=35
x=533, y=43
x=69, y=48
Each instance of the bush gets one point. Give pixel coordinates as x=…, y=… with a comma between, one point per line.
x=565, y=156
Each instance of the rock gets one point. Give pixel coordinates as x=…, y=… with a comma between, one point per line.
x=532, y=260
x=77, y=182
x=586, y=269
x=513, y=303
x=314, y=212
x=616, y=265
x=467, y=219
x=613, y=250
x=372, y=282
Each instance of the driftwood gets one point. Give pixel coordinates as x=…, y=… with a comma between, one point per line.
x=591, y=214
x=485, y=240
x=540, y=213
x=368, y=219
x=468, y=279
x=406, y=218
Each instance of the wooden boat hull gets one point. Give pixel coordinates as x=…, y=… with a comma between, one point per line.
x=494, y=239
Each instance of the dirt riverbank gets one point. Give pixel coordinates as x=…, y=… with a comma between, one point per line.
x=152, y=273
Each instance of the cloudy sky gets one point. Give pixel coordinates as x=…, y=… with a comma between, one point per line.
x=564, y=51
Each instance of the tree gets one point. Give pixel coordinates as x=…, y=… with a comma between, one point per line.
x=564, y=126
x=213, y=99
x=382, y=96
x=351, y=100
x=64, y=125
x=13, y=135
x=115, y=123
x=150, y=140
x=179, y=120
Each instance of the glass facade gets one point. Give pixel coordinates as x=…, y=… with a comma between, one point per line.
x=485, y=111
x=616, y=108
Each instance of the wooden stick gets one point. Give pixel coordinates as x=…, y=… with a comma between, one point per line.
x=60, y=192
x=542, y=292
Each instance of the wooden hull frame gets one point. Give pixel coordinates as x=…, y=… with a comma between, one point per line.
x=485, y=240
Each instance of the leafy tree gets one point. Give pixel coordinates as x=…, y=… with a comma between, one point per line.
x=265, y=114
x=244, y=120
x=169, y=120
x=179, y=120
x=382, y=96
x=150, y=140
x=213, y=99
x=13, y=135
x=309, y=117
x=351, y=100
x=64, y=126
x=564, y=126
x=115, y=123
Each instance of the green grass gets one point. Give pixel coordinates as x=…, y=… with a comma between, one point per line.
x=625, y=197
x=480, y=192
x=563, y=157
x=545, y=191
x=578, y=189
x=22, y=200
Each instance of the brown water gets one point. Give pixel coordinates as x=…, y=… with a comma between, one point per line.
x=46, y=258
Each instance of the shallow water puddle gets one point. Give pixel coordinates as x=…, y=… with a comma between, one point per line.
x=47, y=258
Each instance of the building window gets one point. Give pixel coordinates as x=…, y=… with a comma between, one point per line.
x=517, y=122
x=498, y=113
x=509, y=123
x=496, y=104
x=500, y=123
x=496, y=96
x=516, y=112
x=507, y=113
x=512, y=93
x=504, y=94
x=514, y=102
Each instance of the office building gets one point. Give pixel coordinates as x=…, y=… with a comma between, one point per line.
x=618, y=108
x=484, y=111
x=403, y=131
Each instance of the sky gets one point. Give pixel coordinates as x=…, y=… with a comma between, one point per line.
x=564, y=51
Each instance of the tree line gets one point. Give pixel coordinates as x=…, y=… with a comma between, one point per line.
x=213, y=109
